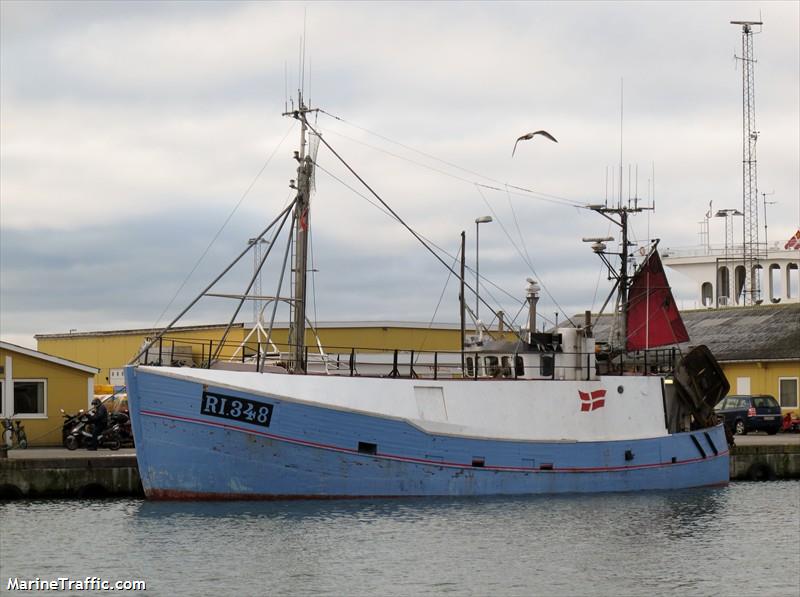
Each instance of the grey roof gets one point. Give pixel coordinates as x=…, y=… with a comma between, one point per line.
x=760, y=333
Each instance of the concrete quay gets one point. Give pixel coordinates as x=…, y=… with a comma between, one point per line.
x=59, y=473
x=758, y=457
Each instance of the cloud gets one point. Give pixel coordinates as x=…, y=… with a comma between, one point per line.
x=130, y=131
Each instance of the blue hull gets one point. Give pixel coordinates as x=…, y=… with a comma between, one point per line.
x=307, y=451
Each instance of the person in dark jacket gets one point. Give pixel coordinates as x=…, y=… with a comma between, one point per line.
x=99, y=421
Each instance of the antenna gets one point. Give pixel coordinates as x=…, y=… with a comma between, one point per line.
x=303, y=54
x=764, y=197
x=621, y=103
x=752, y=250
x=653, y=171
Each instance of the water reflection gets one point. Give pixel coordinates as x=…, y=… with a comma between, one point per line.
x=673, y=543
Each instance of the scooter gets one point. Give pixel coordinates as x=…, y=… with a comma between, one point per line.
x=123, y=419
x=14, y=430
x=69, y=423
x=80, y=435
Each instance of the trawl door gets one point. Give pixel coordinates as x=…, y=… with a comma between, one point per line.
x=430, y=403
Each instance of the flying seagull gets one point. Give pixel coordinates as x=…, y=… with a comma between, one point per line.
x=530, y=136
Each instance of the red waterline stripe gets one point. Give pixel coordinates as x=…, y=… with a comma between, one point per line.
x=291, y=440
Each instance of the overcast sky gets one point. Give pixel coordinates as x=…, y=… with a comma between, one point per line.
x=129, y=133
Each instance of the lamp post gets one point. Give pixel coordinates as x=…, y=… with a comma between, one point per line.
x=478, y=222
x=727, y=214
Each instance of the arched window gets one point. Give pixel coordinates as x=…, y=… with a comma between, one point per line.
x=792, y=281
x=775, y=285
x=739, y=279
x=707, y=294
x=723, y=285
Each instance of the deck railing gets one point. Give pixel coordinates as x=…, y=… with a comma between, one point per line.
x=408, y=363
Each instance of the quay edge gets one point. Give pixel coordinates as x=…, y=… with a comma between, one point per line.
x=765, y=462
x=30, y=476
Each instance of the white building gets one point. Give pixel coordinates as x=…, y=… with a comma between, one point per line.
x=719, y=273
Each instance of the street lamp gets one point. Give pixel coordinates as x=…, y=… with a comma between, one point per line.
x=726, y=282
x=478, y=222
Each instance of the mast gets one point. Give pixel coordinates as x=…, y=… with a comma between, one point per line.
x=623, y=278
x=297, y=328
x=620, y=274
x=461, y=298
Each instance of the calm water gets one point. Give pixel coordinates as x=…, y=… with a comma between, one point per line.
x=740, y=540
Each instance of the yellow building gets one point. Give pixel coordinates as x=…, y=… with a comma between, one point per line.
x=757, y=347
x=35, y=385
x=110, y=351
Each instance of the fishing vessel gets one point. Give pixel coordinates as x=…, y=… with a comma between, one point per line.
x=527, y=412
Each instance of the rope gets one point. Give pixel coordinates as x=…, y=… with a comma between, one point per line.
x=436, y=310
x=221, y=228
x=526, y=261
x=433, y=244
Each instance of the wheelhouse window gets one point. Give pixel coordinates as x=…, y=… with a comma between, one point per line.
x=492, y=366
x=547, y=367
x=506, y=366
x=519, y=365
x=787, y=391
x=30, y=397
x=470, y=367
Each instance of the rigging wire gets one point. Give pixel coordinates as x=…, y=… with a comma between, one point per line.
x=433, y=244
x=222, y=227
x=439, y=304
x=530, y=192
x=527, y=261
x=599, y=275
x=386, y=205
x=542, y=195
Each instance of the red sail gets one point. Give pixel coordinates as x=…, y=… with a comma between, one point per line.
x=652, y=317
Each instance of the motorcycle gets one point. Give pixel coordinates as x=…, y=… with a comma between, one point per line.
x=80, y=435
x=122, y=419
x=69, y=423
x=14, y=430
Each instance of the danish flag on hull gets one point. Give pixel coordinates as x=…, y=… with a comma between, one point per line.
x=592, y=400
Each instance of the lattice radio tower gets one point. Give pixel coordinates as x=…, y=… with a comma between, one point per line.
x=752, y=251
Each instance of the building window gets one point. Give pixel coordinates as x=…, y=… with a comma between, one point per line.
x=30, y=397
x=787, y=392
x=2, y=404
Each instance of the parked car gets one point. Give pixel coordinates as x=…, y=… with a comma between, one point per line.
x=743, y=414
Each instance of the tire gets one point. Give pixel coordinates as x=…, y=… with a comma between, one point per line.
x=114, y=444
x=23, y=442
x=739, y=428
x=772, y=432
x=71, y=442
